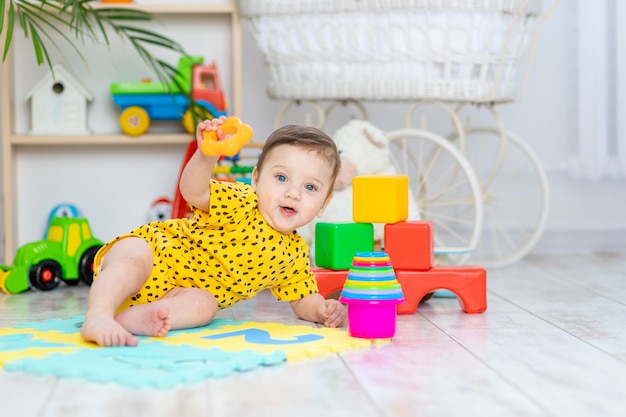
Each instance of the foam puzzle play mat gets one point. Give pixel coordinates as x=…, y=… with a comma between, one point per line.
x=54, y=347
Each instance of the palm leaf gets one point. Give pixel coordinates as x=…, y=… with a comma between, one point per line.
x=9, y=29
x=31, y=21
x=76, y=22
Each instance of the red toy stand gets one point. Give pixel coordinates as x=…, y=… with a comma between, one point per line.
x=180, y=208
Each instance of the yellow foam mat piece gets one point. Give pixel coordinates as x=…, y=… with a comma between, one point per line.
x=298, y=342
x=183, y=356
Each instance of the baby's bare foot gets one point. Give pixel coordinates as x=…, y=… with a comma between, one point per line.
x=146, y=320
x=105, y=331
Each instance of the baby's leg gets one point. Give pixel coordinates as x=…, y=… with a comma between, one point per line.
x=145, y=319
x=125, y=268
x=180, y=308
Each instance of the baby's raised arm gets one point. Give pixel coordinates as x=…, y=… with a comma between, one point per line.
x=195, y=179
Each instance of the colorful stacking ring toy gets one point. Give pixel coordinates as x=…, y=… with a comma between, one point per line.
x=372, y=293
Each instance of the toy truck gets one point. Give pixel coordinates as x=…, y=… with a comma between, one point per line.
x=148, y=100
x=66, y=254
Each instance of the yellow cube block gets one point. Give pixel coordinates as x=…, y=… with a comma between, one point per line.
x=380, y=198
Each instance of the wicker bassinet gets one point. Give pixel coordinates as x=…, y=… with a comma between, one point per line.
x=451, y=50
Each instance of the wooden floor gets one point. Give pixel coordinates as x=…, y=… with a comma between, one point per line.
x=552, y=343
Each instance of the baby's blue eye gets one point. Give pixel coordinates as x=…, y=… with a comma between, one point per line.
x=311, y=187
x=281, y=178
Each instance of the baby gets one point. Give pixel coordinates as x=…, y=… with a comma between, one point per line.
x=241, y=239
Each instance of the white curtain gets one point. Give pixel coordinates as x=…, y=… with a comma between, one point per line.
x=619, y=22
x=601, y=134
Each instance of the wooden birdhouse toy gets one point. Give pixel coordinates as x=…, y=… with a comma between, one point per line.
x=58, y=105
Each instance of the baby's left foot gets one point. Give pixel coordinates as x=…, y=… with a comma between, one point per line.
x=145, y=320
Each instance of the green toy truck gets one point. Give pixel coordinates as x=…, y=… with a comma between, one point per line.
x=66, y=254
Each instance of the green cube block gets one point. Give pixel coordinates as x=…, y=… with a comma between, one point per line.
x=336, y=243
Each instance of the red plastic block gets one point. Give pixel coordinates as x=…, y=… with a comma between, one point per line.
x=329, y=281
x=469, y=283
x=410, y=245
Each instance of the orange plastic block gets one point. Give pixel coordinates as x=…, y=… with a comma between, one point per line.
x=380, y=198
x=469, y=283
x=410, y=245
x=329, y=281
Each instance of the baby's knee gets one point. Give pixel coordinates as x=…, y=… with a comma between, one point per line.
x=132, y=253
x=206, y=300
x=205, y=306
x=200, y=301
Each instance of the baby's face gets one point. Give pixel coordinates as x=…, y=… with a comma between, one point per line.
x=292, y=188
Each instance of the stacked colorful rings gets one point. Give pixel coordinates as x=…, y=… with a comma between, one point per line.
x=371, y=277
x=372, y=293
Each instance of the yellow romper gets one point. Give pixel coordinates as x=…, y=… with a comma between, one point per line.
x=232, y=252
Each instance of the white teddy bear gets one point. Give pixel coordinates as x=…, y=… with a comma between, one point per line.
x=364, y=150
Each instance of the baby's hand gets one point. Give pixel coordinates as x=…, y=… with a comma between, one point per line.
x=209, y=125
x=332, y=312
x=224, y=136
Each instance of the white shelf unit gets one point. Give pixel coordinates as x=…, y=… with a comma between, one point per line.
x=13, y=143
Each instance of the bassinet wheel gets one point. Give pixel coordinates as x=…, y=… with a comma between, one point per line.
x=446, y=190
x=515, y=195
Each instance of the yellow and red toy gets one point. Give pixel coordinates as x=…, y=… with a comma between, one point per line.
x=239, y=134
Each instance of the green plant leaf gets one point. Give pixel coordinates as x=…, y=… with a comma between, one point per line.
x=34, y=19
x=2, y=11
x=9, y=32
x=39, y=51
x=77, y=22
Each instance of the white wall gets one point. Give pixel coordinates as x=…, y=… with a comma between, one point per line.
x=114, y=187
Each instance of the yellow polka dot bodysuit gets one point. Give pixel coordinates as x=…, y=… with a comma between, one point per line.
x=231, y=252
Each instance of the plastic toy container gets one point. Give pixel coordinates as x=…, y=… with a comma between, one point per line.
x=372, y=293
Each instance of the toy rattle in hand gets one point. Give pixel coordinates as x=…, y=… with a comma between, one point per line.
x=240, y=134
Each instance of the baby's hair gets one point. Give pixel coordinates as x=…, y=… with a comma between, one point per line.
x=305, y=137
